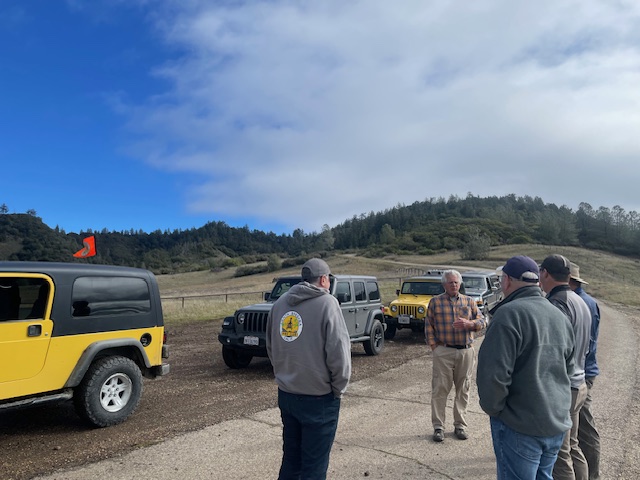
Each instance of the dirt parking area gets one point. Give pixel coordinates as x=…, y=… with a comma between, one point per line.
x=200, y=391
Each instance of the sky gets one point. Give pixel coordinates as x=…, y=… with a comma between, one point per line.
x=285, y=114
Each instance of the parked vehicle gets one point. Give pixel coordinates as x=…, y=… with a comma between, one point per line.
x=485, y=287
x=243, y=335
x=82, y=332
x=409, y=310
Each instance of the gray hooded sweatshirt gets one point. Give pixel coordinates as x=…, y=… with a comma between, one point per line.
x=308, y=342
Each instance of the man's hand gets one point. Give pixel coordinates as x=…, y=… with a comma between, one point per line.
x=462, y=324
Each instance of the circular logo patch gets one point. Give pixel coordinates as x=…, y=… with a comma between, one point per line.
x=290, y=326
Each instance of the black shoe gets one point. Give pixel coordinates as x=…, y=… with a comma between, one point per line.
x=438, y=435
x=460, y=433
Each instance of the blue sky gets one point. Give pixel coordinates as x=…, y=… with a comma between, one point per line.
x=280, y=115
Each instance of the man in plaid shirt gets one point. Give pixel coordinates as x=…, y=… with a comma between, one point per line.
x=451, y=320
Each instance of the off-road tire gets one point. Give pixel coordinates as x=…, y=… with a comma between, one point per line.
x=374, y=345
x=234, y=359
x=109, y=392
x=390, y=332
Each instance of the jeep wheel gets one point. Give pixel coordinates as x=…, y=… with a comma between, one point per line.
x=109, y=392
x=234, y=359
x=390, y=332
x=374, y=345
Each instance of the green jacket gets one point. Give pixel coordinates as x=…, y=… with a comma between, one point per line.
x=524, y=364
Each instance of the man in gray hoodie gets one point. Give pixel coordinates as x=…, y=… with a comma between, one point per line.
x=310, y=350
x=523, y=376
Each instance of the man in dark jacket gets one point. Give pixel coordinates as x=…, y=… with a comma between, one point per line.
x=523, y=377
x=554, y=279
x=310, y=350
x=588, y=436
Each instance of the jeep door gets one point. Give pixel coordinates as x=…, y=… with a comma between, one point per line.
x=25, y=325
x=362, y=306
x=344, y=294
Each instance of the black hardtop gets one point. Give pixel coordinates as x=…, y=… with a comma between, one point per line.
x=63, y=270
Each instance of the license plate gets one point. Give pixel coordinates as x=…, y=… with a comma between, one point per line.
x=404, y=319
x=251, y=340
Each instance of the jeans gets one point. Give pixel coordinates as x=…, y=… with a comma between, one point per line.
x=523, y=457
x=309, y=427
x=588, y=437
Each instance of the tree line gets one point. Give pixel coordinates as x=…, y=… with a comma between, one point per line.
x=472, y=225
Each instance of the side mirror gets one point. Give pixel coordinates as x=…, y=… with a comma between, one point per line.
x=342, y=297
x=397, y=291
x=267, y=295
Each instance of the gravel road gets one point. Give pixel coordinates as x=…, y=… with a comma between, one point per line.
x=201, y=392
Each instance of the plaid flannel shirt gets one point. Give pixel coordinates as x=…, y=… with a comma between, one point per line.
x=442, y=311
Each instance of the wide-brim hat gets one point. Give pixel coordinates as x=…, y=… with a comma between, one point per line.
x=575, y=274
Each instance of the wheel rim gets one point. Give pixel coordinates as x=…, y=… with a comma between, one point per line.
x=116, y=392
x=378, y=338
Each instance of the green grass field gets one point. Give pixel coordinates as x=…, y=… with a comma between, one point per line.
x=207, y=295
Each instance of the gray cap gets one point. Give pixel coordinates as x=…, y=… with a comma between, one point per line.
x=315, y=268
x=556, y=265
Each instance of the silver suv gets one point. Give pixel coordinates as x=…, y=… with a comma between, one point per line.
x=243, y=335
x=485, y=287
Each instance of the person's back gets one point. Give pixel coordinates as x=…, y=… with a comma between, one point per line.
x=579, y=315
x=523, y=376
x=310, y=350
x=532, y=343
x=555, y=273
x=314, y=333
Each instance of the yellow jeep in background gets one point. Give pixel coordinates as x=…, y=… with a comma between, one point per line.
x=409, y=310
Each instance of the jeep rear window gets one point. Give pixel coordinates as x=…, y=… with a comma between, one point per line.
x=422, y=288
x=109, y=296
x=374, y=292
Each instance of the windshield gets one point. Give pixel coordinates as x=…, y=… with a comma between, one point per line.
x=282, y=287
x=474, y=283
x=422, y=288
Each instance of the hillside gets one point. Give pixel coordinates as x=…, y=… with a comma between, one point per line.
x=206, y=295
x=472, y=226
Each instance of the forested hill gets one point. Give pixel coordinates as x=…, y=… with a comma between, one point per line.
x=470, y=224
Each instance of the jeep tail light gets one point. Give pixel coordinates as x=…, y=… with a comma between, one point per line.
x=164, y=338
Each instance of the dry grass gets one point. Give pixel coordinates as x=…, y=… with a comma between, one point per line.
x=202, y=294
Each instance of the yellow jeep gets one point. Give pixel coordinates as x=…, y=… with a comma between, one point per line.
x=409, y=310
x=78, y=331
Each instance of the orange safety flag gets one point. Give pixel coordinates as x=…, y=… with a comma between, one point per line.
x=89, y=249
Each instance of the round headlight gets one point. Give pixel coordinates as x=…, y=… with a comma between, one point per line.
x=241, y=318
x=420, y=310
x=394, y=308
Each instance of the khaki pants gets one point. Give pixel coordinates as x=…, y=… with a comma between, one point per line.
x=588, y=436
x=571, y=463
x=451, y=367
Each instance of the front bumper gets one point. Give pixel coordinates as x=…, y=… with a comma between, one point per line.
x=251, y=344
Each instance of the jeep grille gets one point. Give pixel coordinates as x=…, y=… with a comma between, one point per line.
x=408, y=310
x=255, y=322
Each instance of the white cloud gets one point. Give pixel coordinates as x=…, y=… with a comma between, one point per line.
x=306, y=113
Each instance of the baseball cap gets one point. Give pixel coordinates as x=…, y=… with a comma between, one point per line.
x=315, y=268
x=522, y=268
x=556, y=265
